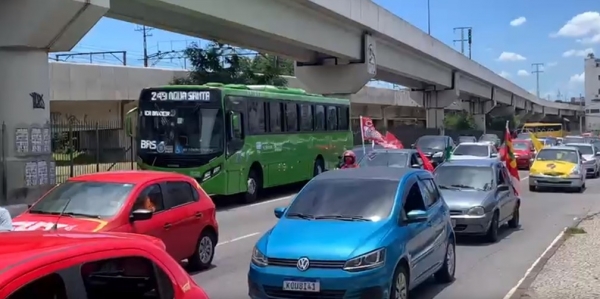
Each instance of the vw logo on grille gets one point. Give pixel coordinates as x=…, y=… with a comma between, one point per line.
x=303, y=264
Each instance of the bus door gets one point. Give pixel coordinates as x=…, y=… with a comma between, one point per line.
x=236, y=158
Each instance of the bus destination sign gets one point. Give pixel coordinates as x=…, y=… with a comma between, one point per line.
x=203, y=96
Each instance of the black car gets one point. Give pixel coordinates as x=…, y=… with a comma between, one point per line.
x=434, y=147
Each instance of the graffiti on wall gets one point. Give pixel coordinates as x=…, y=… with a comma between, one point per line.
x=37, y=100
x=58, y=117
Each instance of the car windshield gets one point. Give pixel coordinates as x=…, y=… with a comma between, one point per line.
x=583, y=149
x=87, y=199
x=345, y=199
x=466, y=139
x=431, y=142
x=180, y=127
x=464, y=177
x=523, y=136
x=471, y=150
x=389, y=159
x=521, y=145
x=553, y=154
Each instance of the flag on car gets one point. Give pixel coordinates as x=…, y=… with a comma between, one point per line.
x=537, y=144
x=509, y=159
x=392, y=140
x=447, y=153
x=426, y=163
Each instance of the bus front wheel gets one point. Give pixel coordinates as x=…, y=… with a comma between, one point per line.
x=254, y=184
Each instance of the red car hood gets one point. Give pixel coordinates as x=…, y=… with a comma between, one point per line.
x=40, y=222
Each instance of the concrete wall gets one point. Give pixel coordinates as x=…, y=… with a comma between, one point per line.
x=592, y=94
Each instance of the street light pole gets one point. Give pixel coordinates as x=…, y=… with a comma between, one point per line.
x=428, y=17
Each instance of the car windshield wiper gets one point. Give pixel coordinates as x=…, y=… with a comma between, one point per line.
x=81, y=215
x=43, y=212
x=448, y=187
x=344, y=217
x=462, y=186
x=300, y=215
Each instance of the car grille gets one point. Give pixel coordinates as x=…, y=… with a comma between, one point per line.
x=456, y=212
x=276, y=292
x=553, y=173
x=313, y=263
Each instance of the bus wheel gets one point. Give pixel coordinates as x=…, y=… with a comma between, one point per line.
x=254, y=184
x=319, y=167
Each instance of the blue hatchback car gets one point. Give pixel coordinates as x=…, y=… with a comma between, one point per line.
x=368, y=233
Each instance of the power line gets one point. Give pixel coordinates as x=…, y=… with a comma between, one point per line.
x=538, y=68
x=468, y=39
x=145, y=34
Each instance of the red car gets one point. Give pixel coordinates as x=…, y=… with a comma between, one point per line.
x=524, y=153
x=49, y=265
x=169, y=206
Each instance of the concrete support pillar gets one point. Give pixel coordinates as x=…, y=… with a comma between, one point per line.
x=28, y=30
x=331, y=76
x=434, y=103
x=478, y=109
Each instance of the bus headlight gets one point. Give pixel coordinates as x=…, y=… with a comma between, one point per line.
x=211, y=173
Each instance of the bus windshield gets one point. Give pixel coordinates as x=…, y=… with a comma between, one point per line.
x=180, y=127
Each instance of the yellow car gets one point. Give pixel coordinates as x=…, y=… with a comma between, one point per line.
x=559, y=167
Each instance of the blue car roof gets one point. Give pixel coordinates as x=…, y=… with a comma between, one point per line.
x=474, y=162
x=378, y=173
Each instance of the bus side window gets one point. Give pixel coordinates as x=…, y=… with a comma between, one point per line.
x=236, y=126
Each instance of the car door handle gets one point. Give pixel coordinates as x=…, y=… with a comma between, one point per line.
x=198, y=215
x=167, y=225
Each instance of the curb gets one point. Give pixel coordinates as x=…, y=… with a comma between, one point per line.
x=521, y=289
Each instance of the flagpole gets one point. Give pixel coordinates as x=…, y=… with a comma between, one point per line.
x=362, y=136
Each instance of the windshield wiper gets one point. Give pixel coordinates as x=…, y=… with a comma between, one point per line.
x=81, y=215
x=300, y=215
x=43, y=212
x=463, y=186
x=344, y=217
x=447, y=187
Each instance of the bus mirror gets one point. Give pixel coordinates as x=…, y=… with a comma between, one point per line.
x=129, y=121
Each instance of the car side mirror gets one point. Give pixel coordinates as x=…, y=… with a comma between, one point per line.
x=597, y=154
x=494, y=155
x=503, y=187
x=279, y=212
x=140, y=215
x=416, y=216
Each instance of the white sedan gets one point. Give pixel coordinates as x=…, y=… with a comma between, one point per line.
x=474, y=150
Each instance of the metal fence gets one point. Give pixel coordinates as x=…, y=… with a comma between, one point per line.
x=87, y=147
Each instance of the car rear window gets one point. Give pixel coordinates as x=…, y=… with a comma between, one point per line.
x=371, y=199
x=471, y=150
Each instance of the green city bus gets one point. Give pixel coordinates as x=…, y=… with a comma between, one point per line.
x=238, y=139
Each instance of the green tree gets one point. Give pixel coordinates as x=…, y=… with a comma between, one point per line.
x=224, y=64
x=459, y=121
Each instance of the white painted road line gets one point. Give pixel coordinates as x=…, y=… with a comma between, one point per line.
x=239, y=238
x=524, y=178
x=537, y=261
x=269, y=201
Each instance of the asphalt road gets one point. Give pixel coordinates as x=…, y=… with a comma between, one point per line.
x=483, y=270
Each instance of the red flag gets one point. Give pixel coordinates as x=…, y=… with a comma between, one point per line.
x=426, y=163
x=509, y=159
x=391, y=139
x=368, y=131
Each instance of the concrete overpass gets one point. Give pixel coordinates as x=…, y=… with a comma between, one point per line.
x=338, y=45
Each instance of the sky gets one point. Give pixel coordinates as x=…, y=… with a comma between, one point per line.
x=508, y=37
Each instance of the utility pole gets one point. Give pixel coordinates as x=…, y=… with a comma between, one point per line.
x=462, y=40
x=428, y=17
x=538, y=68
x=581, y=104
x=145, y=34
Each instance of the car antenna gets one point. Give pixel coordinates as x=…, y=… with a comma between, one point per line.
x=62, y=212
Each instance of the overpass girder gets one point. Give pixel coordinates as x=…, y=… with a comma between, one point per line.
x=474, y=87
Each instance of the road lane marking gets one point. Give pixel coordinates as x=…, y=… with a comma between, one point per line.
x=269, y=201
x=238, y=238
x=524, y=178
x=534, y=265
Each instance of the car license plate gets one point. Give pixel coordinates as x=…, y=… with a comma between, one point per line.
x=453, y=222
x=301, y=286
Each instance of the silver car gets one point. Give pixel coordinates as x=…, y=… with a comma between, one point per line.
x=591, y=158
x=480, y=196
